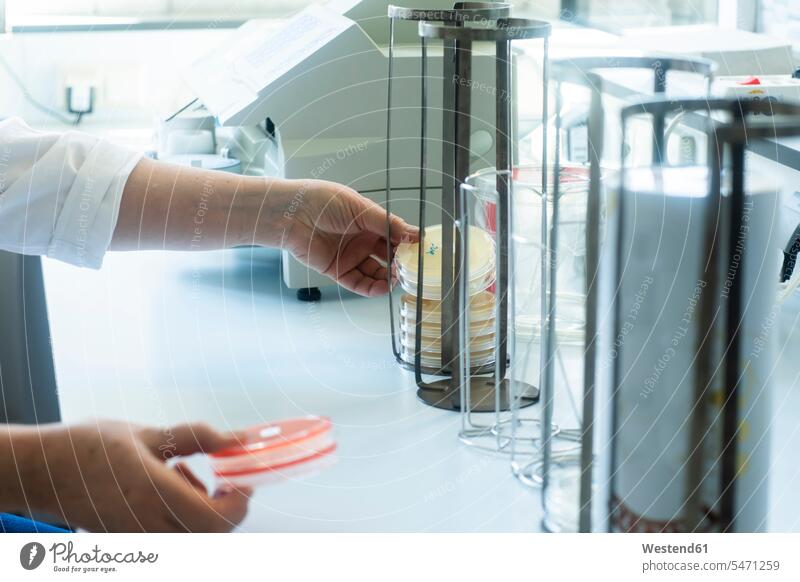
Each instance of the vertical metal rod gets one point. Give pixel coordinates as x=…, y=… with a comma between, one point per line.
x=389, y=249
x=449, y=194
x=593, y=208
x=543, y=225
x=543, y=219
x=549, y=338
x=733, y=372
x=463, y=108
x=616, y=326
x=465, y=387
x=705, y=368
x=423, y=199
x=659, y=124
x=503, y=167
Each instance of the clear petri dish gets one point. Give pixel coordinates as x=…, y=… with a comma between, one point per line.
x=434, y=346
x=434, y=330
x=481, y=263
x=434, y=360
x=482, y=306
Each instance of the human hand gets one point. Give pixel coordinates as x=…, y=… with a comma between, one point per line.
x=112, y=476
x=341, y=234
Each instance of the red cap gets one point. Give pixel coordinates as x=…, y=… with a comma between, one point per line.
x=751, y=81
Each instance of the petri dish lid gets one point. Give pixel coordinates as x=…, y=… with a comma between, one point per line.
x=276, y=446
x=481, y=256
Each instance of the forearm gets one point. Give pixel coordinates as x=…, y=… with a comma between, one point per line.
x=178, y=208
x=20, y=454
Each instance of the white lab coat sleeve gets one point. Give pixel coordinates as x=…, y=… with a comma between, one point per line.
x=60, y=193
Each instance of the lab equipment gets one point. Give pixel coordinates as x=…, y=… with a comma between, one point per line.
x=327, y=98
x=759, y=86
x=576, y=210
x=444, y=267
x=190, y=137
x=277, y=450
x=459, y=31
x=27, y=371
x=687, y=387
x=480, y=203
x=790, y=255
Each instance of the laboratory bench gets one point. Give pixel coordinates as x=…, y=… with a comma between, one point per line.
x=160, y=338
x=163, y=338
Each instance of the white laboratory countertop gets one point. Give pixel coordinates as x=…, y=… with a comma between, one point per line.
x=162, y=338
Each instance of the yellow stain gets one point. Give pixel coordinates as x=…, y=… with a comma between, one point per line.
x=742, y=463
x=744, y=430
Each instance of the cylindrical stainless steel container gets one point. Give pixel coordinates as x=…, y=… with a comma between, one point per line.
x=667, y=445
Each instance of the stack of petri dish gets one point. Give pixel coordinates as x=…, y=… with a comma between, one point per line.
x=482, y=272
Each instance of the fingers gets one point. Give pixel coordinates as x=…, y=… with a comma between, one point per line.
x=183, y=470
x=369, y=279
x=187, y=507
x=373, y=219
x=187, y=439
x=231, y=505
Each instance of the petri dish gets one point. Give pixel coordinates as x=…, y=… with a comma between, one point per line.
x=434, y=360
x=276, y=450
x=434, y=346
x=482, y=306
x=481, y=262
x=434, y=330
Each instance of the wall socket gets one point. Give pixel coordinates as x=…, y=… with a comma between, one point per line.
x=80, y=98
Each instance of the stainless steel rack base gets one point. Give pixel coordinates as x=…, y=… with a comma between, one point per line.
x=482, y=397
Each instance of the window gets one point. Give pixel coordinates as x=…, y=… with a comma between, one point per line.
x=781, y=18
x=616, y=15
x=129, y=13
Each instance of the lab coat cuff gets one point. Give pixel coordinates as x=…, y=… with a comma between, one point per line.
x=88, y=219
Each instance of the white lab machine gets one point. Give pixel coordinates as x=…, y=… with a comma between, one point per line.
x=320, y=77
x=193, y=139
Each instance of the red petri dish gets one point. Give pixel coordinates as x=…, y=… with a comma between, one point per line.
x=271, y=451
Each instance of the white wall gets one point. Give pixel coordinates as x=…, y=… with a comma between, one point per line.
x=138, y=74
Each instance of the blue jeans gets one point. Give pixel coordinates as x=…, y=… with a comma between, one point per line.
x=15, y=524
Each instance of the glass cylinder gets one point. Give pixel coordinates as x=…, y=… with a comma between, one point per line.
x=528, y=257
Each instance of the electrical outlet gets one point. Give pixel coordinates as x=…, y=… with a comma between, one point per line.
x=80, y=99
x=81, y=89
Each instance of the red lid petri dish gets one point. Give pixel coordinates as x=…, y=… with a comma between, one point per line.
x=270, y=451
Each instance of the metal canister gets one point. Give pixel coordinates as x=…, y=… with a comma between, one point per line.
x=667, y=444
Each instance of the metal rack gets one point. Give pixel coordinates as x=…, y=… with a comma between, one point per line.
x=458, y=30
x=586, y=72
x=461, y=14
x=729, y=125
